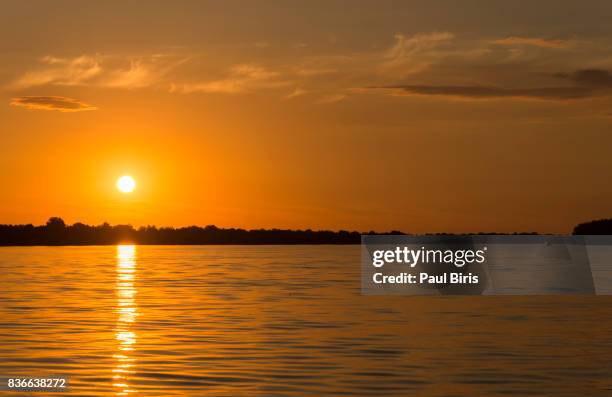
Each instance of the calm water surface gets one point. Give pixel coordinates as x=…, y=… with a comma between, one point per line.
x=281, y=321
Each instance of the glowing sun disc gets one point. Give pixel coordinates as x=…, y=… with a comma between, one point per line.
x=126, y=184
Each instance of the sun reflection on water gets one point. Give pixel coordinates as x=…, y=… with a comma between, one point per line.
x=127, y=311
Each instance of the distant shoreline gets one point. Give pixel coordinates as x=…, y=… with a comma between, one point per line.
x=56, y=233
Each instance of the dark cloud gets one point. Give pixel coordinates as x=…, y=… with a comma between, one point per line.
x=587, y=83
x=589, y=77
x=483, y=92
x=59, y=103
x=532, y=41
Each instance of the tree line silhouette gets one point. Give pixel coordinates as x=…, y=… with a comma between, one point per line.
x=597, y=227
x=56, y=232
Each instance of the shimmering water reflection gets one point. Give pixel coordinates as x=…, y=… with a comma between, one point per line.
x=281, y=321
x=127, y=313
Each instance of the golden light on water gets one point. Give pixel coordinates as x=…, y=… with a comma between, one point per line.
x=127, y=312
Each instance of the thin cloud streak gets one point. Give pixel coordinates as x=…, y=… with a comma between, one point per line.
x=532, y=41
x=57, y=103
x=487, y=92
x=241, y=79
x=588, y=83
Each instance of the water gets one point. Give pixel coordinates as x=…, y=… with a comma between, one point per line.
x=281, y=321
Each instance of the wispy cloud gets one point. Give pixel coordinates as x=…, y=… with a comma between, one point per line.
x=58, y=103
x=143, y=71
x=311, y=71
x=407, y=46
x=241, y=78
x=100, y=70
x=332, y=98
x=297, y=92
x=412, y=54
x=61, y=71
x=532, y=41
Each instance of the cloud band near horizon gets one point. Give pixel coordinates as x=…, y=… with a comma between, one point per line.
x=587, y=83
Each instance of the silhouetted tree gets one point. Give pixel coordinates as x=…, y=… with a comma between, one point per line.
x=56, y=223
x=55, y=231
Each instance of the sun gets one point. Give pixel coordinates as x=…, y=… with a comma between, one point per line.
x=126, y=184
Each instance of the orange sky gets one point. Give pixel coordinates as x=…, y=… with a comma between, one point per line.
x=419, y=116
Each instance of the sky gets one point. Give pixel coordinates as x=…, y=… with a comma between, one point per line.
x=419, y=116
